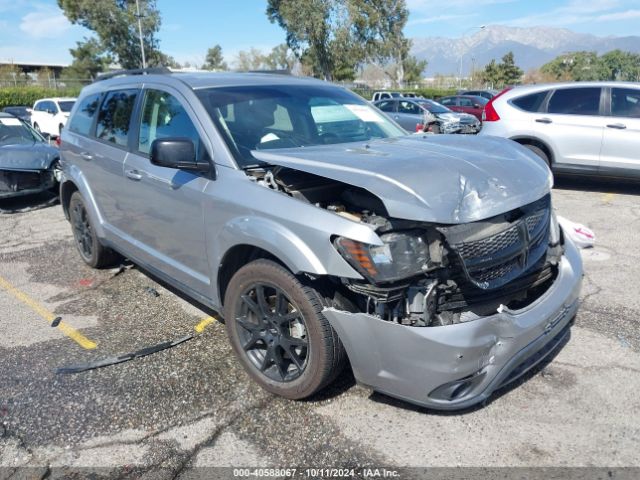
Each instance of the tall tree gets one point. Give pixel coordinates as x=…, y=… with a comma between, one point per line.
x=280, y=58
x=504, y=73
x=89, y=59
x=214, y=59
x=333, y=37
x=252, y=59
x=115, y=23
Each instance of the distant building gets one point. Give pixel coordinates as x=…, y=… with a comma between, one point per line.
x=32, y=67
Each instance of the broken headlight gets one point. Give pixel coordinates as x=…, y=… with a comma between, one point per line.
x=402, y=255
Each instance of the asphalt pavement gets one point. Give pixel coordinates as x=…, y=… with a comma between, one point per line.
x=176, y=412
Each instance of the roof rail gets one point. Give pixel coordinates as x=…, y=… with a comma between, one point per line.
x=136, y=71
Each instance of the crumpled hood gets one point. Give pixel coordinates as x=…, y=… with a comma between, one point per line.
x=36, y=156
x=437, y=178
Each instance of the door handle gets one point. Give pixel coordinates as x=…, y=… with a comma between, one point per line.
x=618, y=126
x=133, y=175
x=86, y=156
x=544, y=120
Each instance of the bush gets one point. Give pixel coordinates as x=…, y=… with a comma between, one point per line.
x=28, y=95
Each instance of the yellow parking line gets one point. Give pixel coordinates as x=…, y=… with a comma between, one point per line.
x=204, y=323
x=67, y=330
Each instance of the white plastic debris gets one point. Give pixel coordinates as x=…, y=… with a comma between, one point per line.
x=582, y=236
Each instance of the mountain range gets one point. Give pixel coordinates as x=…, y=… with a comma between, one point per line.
x=532, y=47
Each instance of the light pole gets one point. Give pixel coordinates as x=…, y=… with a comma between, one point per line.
x=144, y=61
x=479, y=27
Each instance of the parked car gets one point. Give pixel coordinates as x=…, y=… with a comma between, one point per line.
x=320, y=230
x=49, y=115
x=410, y=112
x=488, y=94
x=382, y=95
x=27, y=163
x=465, y=104
x=580, y=127
x=19, y=111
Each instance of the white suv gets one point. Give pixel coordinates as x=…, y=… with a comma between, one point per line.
x=580, y=127
x=50, y=114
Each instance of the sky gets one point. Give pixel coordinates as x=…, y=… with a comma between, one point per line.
x=38, y=31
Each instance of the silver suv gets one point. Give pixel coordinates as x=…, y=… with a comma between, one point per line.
x=581, y=127
x=320, y=231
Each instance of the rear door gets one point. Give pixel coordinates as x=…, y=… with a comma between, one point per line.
x=573, y=122
x=163, y=207
x=409, y=115
x=620, y=153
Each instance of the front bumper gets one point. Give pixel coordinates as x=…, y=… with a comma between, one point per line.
x=425, y=365
x=15, y=183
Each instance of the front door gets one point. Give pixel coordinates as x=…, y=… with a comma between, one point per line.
x=620, y=153
x=164, y=206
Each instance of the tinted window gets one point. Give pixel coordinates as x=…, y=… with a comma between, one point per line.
x=409, y=107
x=66, y=105
x=433, y=107
x=163, y=116
x=465, y=102
x=386, y=106
x=531, y=102
x=625, y=102
x=575, y=101
x=447, y=101
x=51, y=107
x=83, y=118
x=115, y=116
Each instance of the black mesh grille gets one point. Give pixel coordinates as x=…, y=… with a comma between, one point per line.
x=11, y=181
x=493, y=260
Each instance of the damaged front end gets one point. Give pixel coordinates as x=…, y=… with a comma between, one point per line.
x=444, y=313
x=15, y=183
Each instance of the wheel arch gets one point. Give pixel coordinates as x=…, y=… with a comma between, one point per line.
x=66, y=190
x=530, y=140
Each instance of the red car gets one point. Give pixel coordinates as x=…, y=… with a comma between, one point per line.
x=465, y=103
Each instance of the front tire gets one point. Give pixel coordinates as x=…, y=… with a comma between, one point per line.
x=91, y=250
x=277, y=330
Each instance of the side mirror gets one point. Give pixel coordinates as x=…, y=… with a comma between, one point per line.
x=176, y=152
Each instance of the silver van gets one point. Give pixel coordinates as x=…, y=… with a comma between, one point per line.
x=321, y=232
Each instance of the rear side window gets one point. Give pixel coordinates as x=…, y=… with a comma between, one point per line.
x=83, y=118
x=625, y=102
x=409, y=107
x=115, y=116
x=575, y=101
x=447, y=101
x=531, y=102
x=163, y=116
x=386, y=106
x=465, y=102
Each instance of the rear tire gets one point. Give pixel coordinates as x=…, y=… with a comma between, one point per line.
x=277, y=330
x=539, y=152
x=91, y=250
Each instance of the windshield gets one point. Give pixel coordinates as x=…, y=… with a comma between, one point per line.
x=433, y=107
x=66, y=106
x=14, y=132
x=292, y=116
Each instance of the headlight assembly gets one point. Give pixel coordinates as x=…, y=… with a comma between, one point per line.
x=402, y=255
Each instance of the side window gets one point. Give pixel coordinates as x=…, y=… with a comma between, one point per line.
x=531, y=102
x=115, y=116
x=386, y=106
x=163, y=116
x=575, y=101
x=83, y=118
x=39, y=107
x=625, y=102
x=408, y=107
x=447, y=101
x=465, y=102
x=54, y=107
